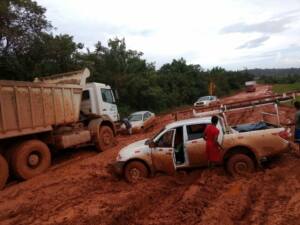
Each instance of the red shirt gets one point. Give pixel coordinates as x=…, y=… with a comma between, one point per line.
x=211, y=132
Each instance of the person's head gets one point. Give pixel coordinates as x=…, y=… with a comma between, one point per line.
x=297, y=105
x=214, y=120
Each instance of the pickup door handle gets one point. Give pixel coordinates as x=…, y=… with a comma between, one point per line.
x=104, y=109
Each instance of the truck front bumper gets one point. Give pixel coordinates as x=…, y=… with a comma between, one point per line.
x=118, y=167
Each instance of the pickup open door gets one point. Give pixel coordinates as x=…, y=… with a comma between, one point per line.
x=195, y=145
x=163, y=152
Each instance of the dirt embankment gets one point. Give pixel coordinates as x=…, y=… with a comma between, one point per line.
x=83, y=192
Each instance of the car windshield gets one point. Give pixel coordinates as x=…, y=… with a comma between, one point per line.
x=204, y=98
x=135, y=117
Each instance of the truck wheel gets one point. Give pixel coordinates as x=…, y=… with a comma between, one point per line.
x=240, y=164
x=134, y=171
x=30, y=159
x=106, y=138
x=3, y=172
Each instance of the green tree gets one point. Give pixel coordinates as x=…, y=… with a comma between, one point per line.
x=21, y=23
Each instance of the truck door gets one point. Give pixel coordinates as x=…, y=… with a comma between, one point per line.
x=195, y=145
x=86, y=105
x=163, y=153
x=108, y=106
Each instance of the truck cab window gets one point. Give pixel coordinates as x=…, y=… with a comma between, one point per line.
x=107, y=95
x=166, y=141
x=195, y=131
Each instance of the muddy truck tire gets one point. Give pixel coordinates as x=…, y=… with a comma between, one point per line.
x=240, y=165
x=3, y=172
x=30, y=159
x=106, y=138
x=135, y=171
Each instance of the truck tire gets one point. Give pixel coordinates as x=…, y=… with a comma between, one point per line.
x=240, y=165
x=30, y=159
x=106, y=138
x=3, y=172
x=135, y=171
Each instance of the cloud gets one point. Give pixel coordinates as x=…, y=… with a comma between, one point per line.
x=275, y=24
x=254, y=43
x=279, y=58
x=270, y=26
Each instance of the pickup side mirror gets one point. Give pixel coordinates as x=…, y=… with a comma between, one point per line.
x=152, y=144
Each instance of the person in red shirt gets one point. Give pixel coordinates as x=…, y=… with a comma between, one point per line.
x=211, y=134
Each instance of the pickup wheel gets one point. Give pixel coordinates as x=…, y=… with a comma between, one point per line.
x=30, y=159
x=106, y=138
x=3, y=172
x=135, y=171
x=240, y=165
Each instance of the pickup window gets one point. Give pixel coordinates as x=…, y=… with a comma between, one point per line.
x=166, y=140
x=195, y=131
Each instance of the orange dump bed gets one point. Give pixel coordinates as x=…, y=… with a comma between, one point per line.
x=33, y=107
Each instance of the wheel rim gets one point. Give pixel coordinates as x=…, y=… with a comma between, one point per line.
x=33, y=160
x=241, y=167
x=135, y=174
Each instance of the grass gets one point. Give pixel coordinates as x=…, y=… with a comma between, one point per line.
x=282, y=88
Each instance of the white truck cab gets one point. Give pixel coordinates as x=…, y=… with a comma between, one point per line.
x=98, y=99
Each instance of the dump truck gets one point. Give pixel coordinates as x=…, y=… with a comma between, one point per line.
x=51, y=114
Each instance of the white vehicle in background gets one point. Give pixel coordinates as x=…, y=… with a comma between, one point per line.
x=206, y=101
x=140, y=121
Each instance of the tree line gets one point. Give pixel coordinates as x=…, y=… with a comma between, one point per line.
x=29, y=49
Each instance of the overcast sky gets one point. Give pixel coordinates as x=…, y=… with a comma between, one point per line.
x=230, y=33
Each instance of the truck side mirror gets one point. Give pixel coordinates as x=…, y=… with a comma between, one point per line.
x=116, y=94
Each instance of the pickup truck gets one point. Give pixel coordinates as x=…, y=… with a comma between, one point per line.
x=181, y=145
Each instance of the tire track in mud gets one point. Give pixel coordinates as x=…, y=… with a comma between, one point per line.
x=270, y=197
x=187, y=205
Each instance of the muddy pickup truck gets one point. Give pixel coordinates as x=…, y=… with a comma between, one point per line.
x=181, y=145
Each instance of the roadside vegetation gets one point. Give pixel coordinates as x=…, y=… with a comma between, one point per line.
x=29, y=49
x=282, y=88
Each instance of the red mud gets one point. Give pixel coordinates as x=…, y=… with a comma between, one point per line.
x=83, y=192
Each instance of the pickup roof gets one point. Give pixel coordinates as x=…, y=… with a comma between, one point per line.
x=181, y=145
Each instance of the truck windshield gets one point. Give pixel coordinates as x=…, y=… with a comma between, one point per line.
x=135, y=117
x=107, y=95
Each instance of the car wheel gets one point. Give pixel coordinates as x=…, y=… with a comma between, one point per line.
x=3, y=172
x=240, y=165
x=30, y=159
x=135, y=171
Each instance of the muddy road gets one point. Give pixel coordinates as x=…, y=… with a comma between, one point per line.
x=82, y=191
